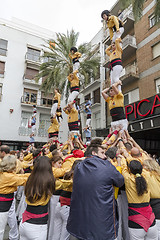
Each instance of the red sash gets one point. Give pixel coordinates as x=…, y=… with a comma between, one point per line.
x=27, y=215
x=145, y=217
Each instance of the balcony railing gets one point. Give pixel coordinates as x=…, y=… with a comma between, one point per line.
x=129, y=40
x=25, y=131
x=29, y=79
x=29, y=100
x=129, y=74
x=41, y=102
x=42, y=132
x=46, y=102
x=129, y=47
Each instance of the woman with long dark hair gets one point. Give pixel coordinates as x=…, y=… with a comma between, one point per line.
x=141, y=217
x=39, y=188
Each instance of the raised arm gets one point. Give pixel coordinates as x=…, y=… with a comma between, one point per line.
x=108, y=50
x=105, y=93
x=118, y=46
x=115, y=86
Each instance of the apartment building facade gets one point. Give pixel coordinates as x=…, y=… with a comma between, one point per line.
x=21, y=48
x=140, y=77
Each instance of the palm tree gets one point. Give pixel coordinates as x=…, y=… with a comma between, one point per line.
x=137, y=6
x=57, y=65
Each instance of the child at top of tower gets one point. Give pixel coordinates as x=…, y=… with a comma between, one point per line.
x=115, y=25
x=75, y=55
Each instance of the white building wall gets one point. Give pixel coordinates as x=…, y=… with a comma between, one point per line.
x=12, y=89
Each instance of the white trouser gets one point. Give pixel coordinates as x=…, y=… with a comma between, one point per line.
x=120, y=123
x=19, y=193
x=33, y=128
x=88, y=122
x=158, y=227
x=51, y=218
x=29, y=231
x=21, y=207
x=115, y=74
x=118, y=35
x=3, y=223
x=72, y=96
x=141, y=234
x=12, y=222
x=54, y=109
x=61, y=216
x=76, y=66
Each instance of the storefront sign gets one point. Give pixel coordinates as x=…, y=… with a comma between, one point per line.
x=144, y=114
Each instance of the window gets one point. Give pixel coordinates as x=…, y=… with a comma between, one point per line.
x=30, y=96
x=152, y=20
x=0, y=93
x=97, y=120
x=33, y=54
x=44, y=123
x=156, y=50
x=47, y=101
x=2, y=67
x=25, y=118
x=131, y=96
x=96, y=96
x=3, y=47
x=158, y=85
x=88, y=96
x=30, y=73
x=46, y=59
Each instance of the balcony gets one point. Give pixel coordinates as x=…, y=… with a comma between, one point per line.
x=29, y=80
x=29, y=99
x=47, y=103
x=91, y=85
x=42, y=132
x=129, y=74
x=129, y=47
x=24, y=131
x=33, y=61
x=128, y=20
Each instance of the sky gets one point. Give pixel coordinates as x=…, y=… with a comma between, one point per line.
x=84, y=16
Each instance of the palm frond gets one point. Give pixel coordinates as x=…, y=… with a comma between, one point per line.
x=58, y=65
